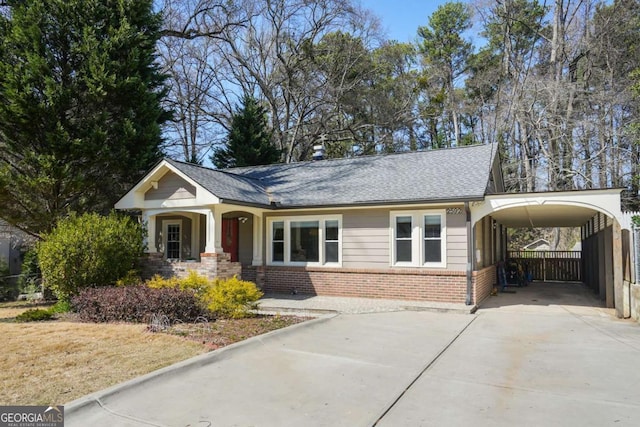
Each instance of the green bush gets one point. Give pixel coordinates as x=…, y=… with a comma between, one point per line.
x=232, y=297
x=89, y=250
x=60, y=307
x=8, y=288
x=34, y=315
x=29, y=281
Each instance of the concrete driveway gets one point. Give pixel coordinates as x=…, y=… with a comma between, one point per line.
x=515, y=361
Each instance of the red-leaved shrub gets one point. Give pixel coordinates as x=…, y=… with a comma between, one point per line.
x=135, y=304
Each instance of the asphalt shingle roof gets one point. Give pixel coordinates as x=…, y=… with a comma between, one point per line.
x=435, y=175
x=225, y=185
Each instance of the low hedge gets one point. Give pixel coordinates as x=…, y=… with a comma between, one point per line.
x=135, y=304
x=34, y=315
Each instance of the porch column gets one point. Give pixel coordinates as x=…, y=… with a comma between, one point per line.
x=195, y=240
x=150, y=240
x=257, y=240
x=214, y=231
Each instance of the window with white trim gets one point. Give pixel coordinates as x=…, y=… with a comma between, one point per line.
x=173, y=240
x=419, y=238
x=305, y=240
x=277, y=239
x=403, y=239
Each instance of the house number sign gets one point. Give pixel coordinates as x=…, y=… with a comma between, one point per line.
x=454, y=211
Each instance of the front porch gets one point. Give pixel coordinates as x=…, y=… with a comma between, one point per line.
x=216, y=242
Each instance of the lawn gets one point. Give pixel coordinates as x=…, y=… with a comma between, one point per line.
x=54, y=362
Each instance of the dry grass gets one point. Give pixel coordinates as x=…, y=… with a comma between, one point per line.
x=12, y=309
x=48, y=363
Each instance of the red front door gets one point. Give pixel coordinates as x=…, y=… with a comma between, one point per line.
x=230, y=237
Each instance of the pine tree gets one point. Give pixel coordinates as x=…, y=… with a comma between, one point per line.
x=80, y=110
x=249, y=141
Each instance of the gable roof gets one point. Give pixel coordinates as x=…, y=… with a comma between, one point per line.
x=436, y=175
x=224, y=185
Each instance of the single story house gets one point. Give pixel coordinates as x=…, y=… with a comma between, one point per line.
x=12, y=241
x=538, y=245
x=418, y=225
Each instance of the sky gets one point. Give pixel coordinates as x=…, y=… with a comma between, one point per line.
x=401, y=18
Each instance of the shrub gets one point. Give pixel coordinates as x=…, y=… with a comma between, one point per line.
x=89, y=250
x=232, y=297
x=158, y=282
x=132, y=278
x=60, y=307
x=194, y=282
x=135, y=304
x=34, y=315
x=8, y=287
x=29, y=281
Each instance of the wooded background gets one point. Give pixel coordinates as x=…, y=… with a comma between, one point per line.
x=551, y=82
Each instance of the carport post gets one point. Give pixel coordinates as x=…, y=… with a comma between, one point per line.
x=470, y=240
x=618, y=293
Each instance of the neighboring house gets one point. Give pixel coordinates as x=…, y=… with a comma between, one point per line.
x=419, y=225
x=11, y=242
x=538, y=245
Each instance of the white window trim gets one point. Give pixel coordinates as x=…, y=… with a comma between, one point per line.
x=417, y=238
x=165, y=237
x=287, y=240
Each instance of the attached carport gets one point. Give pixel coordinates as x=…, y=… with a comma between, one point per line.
x=596, y=212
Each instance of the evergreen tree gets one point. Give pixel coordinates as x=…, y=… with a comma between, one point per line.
x=80, y=110
x=249, y=140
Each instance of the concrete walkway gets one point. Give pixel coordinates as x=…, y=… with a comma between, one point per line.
x=314, y=304
x=514, y=362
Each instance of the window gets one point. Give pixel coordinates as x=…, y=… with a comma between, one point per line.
x=173, y=240
x=404, y=230
x=331, y=240
x=419, y=238
x=278, y=241
x=305, y=240
x=432, y=239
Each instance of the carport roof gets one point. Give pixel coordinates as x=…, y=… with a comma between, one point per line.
x=550, y=209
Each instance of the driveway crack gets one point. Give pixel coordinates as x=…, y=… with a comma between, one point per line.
x=421, y=373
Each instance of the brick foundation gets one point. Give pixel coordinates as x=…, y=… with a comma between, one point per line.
x=211, y=266
x=483, y=281
x=409, y=284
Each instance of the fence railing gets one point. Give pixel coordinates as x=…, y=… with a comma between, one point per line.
x=565, y=266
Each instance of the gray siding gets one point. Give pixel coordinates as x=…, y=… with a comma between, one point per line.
x=366, y=242
x=171, y=187
x=245, y=241
x=456, y=242
x=365, y=239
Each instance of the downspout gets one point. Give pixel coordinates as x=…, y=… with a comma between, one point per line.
x=468, y=300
